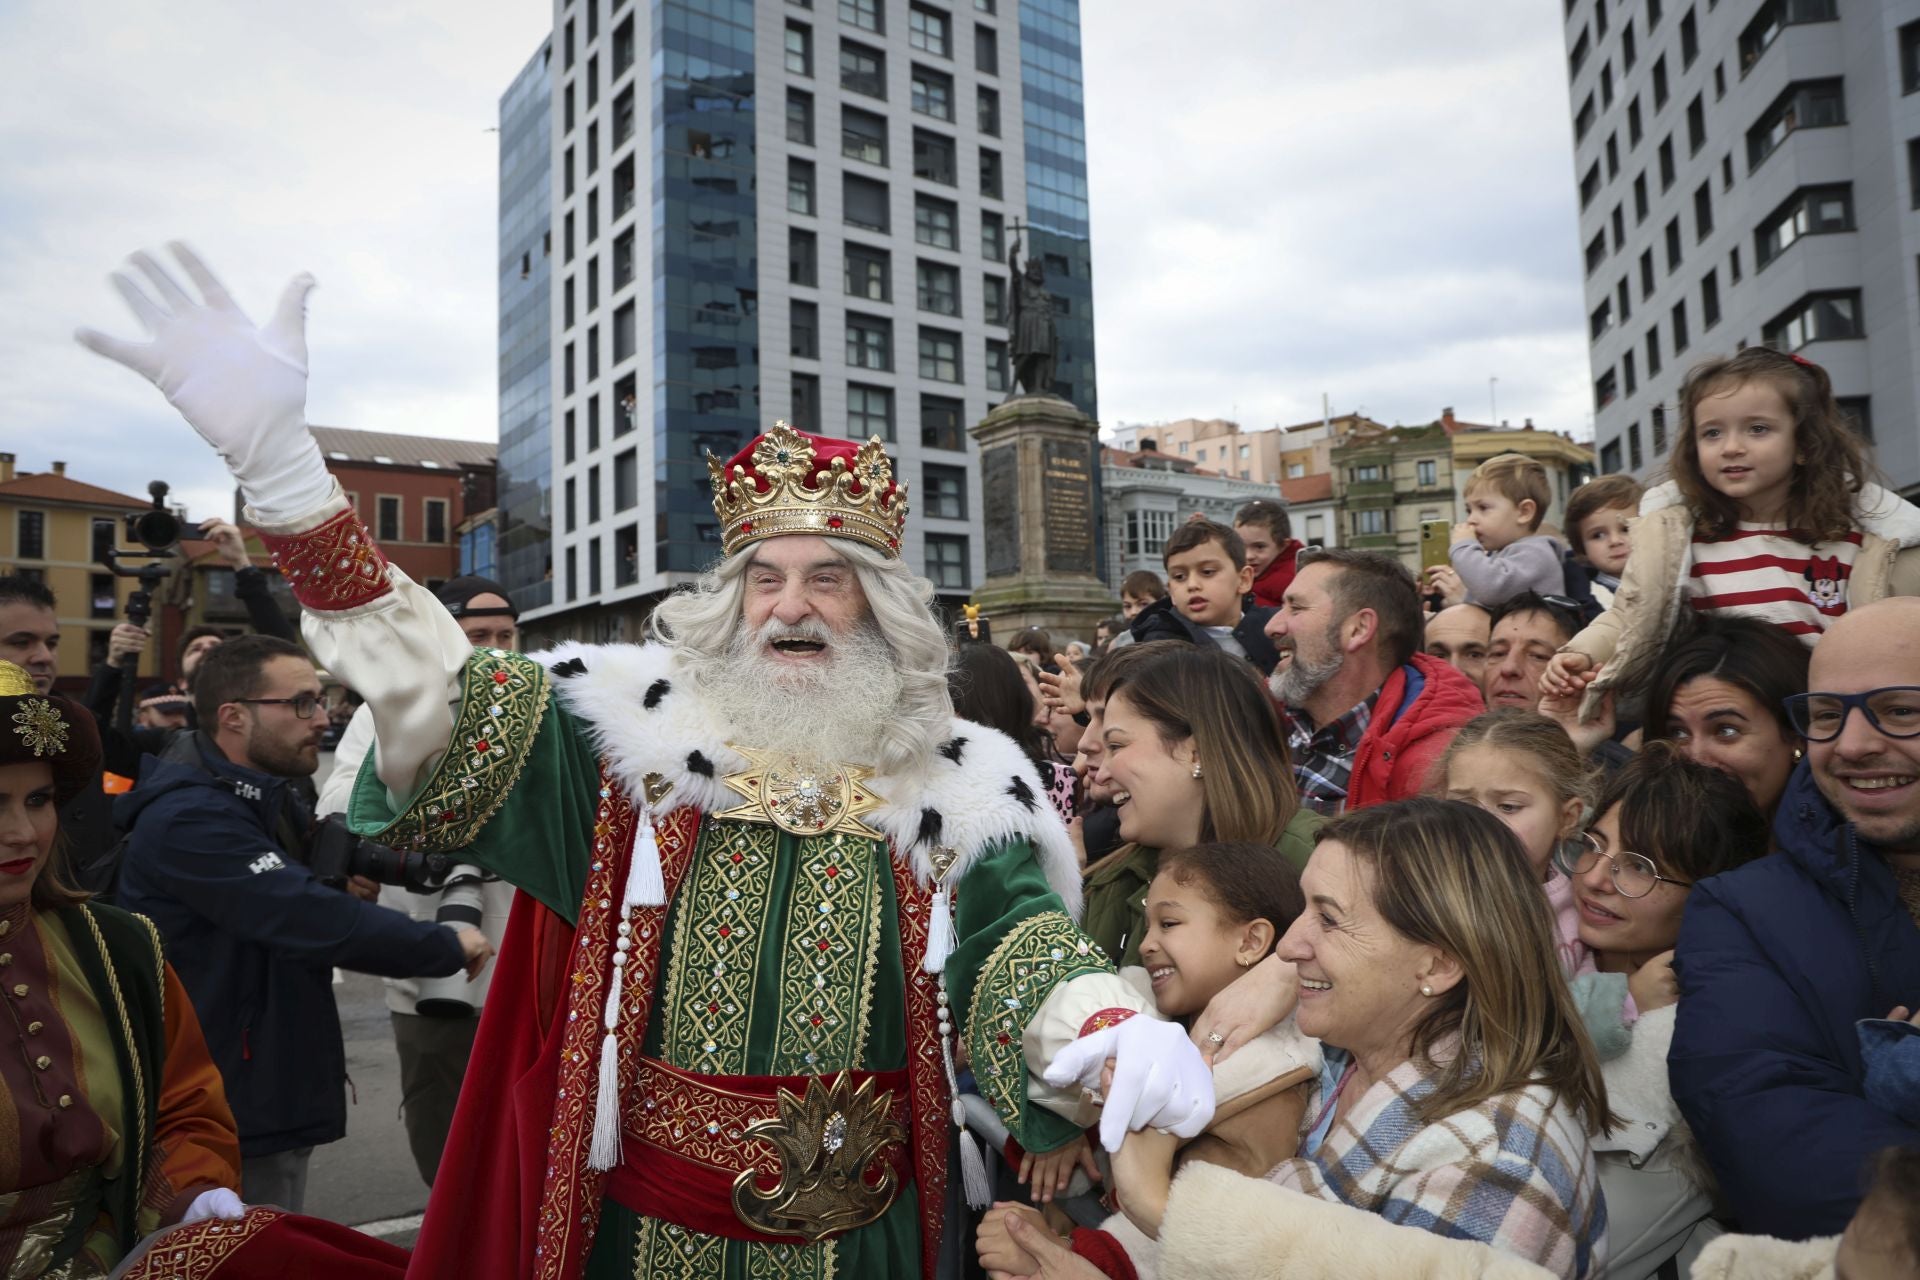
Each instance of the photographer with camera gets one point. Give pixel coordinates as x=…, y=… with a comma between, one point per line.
x=257, y=905
x=434, y=1020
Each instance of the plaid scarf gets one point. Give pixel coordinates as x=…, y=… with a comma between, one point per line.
x=1323, y=757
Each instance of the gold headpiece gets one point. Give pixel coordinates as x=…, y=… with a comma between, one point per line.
x=790, y=482
x=14, y=680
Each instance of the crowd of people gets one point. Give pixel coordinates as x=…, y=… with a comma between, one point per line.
x=1553, y=912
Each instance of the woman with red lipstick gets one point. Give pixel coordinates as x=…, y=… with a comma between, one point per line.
x=1664, y=823
x=114, y=1119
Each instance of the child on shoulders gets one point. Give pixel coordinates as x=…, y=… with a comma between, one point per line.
x=1599, y=513
x=1498, y=550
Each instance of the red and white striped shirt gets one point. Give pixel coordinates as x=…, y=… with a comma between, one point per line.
x=1772, y=574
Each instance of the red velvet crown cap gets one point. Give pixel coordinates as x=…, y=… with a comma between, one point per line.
x=792, y=482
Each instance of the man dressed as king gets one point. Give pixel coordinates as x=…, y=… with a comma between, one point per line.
x=774, y=897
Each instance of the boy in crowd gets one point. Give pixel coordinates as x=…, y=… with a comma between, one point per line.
x=1140, y=589
x=1208, y=577
x=1598, y=513
x=1271, y=547
x=1498, y=550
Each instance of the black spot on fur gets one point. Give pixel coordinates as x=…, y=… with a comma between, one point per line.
x=656, y=691
x=930, y=823
x=697, y=763
x=570, y=668
x=952, y=748
x=1022, y=792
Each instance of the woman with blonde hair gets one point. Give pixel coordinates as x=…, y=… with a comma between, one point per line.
x=1460, y=1097
x=1193, y=753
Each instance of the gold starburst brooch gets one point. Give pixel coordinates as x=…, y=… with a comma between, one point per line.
x=40, y=727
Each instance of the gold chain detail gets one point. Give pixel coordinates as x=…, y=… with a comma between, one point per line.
x=828, y=957
x=139, y=1170
x=715, y=948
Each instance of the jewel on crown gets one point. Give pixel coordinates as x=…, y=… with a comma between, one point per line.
x=788, y=491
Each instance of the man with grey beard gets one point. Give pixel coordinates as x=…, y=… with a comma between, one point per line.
x=771, y=888
x=1367, y=713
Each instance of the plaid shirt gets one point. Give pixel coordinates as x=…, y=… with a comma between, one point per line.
x=1323, y=757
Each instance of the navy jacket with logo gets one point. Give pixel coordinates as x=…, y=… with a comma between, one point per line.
x=255, y=936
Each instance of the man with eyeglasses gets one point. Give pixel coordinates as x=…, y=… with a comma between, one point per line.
x=214, y=860
x=1799, y=972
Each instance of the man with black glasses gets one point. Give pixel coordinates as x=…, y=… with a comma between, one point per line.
x=215, y=859
x=1800, y=973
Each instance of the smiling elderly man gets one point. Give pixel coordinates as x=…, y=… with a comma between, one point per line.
x=768, y=878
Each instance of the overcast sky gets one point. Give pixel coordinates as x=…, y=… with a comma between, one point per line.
x=1372, y=201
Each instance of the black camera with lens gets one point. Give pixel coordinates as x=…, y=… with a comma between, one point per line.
x=156, y=528
x=335, y=855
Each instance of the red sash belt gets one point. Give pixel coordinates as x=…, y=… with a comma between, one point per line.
x=684, y=1144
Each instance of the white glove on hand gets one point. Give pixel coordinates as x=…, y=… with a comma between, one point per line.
x=1159, y=1078
x=243, y=389
x=216, y=1203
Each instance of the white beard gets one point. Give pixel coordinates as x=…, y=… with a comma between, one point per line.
x=826, y=711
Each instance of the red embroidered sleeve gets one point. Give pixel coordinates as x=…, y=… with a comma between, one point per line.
x=1105, y=1018
x=336, y=565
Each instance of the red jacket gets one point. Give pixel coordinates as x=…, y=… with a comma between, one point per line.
x=1270, y=586
x=1419, y=708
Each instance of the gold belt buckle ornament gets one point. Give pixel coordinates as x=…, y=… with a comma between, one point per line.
x=826, y=1141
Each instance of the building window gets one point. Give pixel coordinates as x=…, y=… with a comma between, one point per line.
x=1601, y=320
x=803, y=258
x=626, y=406
x=1673, y=246
x=1148, y=531
x=1581, y=48
x=1634, y=458
x=1653, y=351
x=1709, y=300
x=939, y=355
x=593, y=566
x=106, y=537
x=997, y=378
x=1590, y=185
x=933, y=93
x=103, y=595
x=869, y=412
x=987, y=108
x=869, y=273
x=1425, y=473
x=1679, y=323
x=625, y=337
x=388, y=524
x=626, y=481
x=1606, y=390
x=940, y=423
x=1775, y=16
x=1622, y=296
x=30, y=535
x=930, y=31
x=435, y=510
x=1818, y=317
x=573, y=571
x=1646, y=275
x=569, y=433
x=947, y=561
x=938, y=287
x=863, y=136
x=570, y=504
x=593, y=494
x=800, y=117
x=1733, y=264
x=944, y=490
x=626, y=556
x=1810, y=104
x=1857, y=411
x=993, y=298
x=1913, y=172
x=1703, y=211
x=1909, y=70
x=1808, y=211
x=863, y=70
x=986, y=50
x=1666, y=163
x=593, y=423
x=800, y=186
x=1689, y=39
x=1373, y=521
x=992, y=245
x=869, y=342
x=1659, y=429
x=1659, y=83
x=990, y=174
x=933, y=157
x=935, y=222
x=1596, y=251
x=806, y=402
x=1696, y=125
x=1365, y=473
x=865, y=14
x=1628, y=373
x=804, y=328
x=1610, y=457
x=1583, y=120
x=864, y=203
x=799, y=49
x=622, y=262
x=1635, y=129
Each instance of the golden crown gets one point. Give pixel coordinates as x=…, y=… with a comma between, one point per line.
x=786, y=482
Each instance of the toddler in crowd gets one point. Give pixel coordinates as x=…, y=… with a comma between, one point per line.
x=1213, y=911
x=1770, y=515
x=1207, y=581
x=1598, y=513
x=1499, y=551
x=1882, y=1242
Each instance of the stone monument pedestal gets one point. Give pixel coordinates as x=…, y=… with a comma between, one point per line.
x=1039, y=457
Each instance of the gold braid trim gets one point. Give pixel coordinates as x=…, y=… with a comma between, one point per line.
x=1037, y=955
x=503, y=698
x=139, y=1170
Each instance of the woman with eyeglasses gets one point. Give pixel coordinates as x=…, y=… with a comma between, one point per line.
x=1663, y=823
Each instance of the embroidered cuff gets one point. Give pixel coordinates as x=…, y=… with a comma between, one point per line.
x=1105, y=1018
x=335, y=565
x=1039, y=954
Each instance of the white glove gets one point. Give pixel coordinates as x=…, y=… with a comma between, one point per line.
x=215, y=1203
x=1159, y=1078
x=243, y=389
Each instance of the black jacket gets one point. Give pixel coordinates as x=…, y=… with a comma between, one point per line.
x=254, y=936
x=1162, y=621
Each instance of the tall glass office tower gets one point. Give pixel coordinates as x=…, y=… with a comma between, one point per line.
x=845, y=173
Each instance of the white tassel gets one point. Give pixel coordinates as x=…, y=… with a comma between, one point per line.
x=604, y=1153
x=646, y=886
x=939, y=933
x=973, y=1166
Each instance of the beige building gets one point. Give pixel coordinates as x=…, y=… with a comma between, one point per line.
x=1569, y=465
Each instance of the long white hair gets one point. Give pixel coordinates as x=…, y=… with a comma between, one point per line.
x=700, y=622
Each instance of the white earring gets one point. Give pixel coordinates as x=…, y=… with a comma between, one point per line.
x=1425, y=990
x=1196, y=768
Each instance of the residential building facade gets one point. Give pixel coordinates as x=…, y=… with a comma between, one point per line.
x=413, y=492
x=847, y=173
x=1748, y=174
x=1147, y=494
x=1387, y=481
